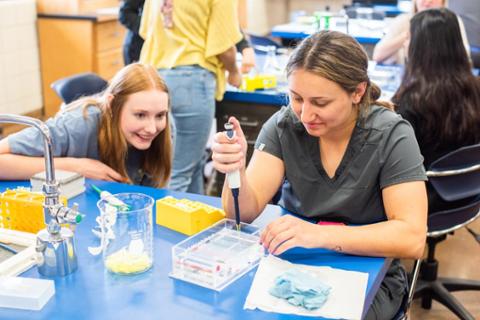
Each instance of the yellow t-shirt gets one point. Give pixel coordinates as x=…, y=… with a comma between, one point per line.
x=202, y=29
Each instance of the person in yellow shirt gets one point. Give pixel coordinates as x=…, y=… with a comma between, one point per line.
x=192, y=44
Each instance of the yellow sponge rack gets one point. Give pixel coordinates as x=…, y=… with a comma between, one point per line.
x=22, y=209
x=186, y=216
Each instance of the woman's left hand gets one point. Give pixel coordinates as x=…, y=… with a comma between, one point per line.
x=288, y=232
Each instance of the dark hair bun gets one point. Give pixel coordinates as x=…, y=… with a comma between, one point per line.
x=375, y=91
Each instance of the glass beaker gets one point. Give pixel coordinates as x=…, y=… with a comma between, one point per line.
x=127, y=219
x=270, y=66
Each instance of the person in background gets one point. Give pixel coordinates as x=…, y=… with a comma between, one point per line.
x=393, y=47
x=244, y=46
x=469, y=11
x=248, y=54
x=130, y=16
x=192, y=44
x=345, y=158
x=121, y=135
x=439, y=95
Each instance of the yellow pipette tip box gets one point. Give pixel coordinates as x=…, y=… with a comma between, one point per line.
x=259, y=81
x=22, y=209
x=186, y=216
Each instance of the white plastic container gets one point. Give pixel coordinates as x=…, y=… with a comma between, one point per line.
x=70, y=184
x=25, y=293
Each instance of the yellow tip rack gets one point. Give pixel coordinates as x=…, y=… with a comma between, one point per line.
x=186, y=216
x=21, y=209
x=259, y=81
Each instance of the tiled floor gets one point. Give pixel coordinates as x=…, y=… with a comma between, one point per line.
x=459, y=256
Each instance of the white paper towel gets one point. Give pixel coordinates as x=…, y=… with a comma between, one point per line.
x=346, y=299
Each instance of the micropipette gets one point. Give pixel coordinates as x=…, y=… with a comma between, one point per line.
x=233, y=178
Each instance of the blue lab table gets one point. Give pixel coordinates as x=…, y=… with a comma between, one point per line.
x=93, y=293
x=291, y=34
x=268, y=97
x=367, y=32
x=390, y=10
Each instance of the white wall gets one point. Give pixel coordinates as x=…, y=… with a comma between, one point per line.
x=20, y=87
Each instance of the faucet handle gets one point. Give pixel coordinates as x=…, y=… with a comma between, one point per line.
x=78, y=217
x=69, y=215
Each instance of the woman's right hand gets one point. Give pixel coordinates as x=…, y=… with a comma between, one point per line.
x=94, y=169
x=229, y=155
x=235, y=78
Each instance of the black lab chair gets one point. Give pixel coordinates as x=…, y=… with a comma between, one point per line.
x=455, y=176
x=78, y=85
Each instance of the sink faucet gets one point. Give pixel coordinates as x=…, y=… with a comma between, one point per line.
x=55, y=244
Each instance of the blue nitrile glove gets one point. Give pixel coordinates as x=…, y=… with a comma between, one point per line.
x=300, y=289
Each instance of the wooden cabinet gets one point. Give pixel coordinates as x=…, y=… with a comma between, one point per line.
x=71, y=44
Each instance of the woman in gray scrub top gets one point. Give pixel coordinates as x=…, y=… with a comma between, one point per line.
x=339, y=155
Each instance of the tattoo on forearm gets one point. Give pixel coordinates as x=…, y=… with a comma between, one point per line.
x=338, y=249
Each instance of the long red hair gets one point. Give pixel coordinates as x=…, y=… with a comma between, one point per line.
x=112, y=144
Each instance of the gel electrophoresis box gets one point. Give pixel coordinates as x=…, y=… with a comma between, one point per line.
x=217, y=256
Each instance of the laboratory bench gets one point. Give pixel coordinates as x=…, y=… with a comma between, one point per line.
x=93, y=293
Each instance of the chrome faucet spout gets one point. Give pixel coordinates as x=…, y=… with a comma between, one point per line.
x=54, y=239
x=47, y=140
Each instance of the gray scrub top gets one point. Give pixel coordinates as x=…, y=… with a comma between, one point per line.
x=75, y=135
x=382, y=151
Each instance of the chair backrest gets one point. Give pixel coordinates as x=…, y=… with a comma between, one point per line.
x=79, y=85
x=456, y=176
x=443, y=222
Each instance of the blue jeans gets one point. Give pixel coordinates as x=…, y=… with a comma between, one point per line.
x=192, y=100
